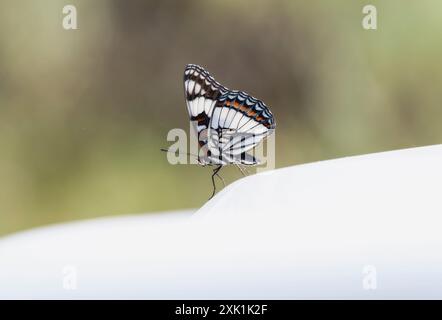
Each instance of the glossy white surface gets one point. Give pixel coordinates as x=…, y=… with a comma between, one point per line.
x=359, y=227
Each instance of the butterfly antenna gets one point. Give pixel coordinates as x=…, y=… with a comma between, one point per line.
x=186, y=153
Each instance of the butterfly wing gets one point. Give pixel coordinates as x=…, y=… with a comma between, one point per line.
x=201, y=93
x=238, y=123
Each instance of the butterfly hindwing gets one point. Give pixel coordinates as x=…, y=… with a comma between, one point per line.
x=238, y=123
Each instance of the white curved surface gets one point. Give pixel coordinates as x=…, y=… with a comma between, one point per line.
x=308, y=231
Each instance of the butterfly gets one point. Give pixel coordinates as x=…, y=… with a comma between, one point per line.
x=228, y=123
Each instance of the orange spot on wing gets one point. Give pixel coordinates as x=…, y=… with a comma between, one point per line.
x=251, y=113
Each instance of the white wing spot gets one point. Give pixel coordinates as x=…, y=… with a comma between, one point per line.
x=197, y=88
x=223, y=117
x=207, y=105
x=190, y=87
x=200, y=104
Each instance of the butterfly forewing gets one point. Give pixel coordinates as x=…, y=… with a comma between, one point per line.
x=201, y=93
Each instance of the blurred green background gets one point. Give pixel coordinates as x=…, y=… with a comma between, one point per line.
x=84, y=112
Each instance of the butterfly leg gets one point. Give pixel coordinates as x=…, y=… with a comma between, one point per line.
x=222, y=180
x=215, y=173
x=240, y=169
x=247, y=171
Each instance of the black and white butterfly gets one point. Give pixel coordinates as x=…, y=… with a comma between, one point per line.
x=228, y=123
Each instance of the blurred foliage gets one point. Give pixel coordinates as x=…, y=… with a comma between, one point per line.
x=84, y=112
